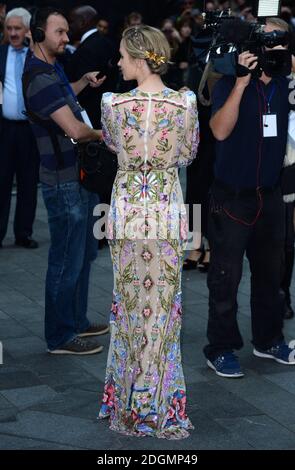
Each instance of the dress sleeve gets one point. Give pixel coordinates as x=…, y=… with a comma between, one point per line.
x=191, y=134
x=107, y=122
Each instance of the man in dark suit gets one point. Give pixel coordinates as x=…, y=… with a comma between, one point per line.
x=18, y=151
x=95, y=52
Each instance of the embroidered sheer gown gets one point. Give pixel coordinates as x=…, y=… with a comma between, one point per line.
x=153, y=134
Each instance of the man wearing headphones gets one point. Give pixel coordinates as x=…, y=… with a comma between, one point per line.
x=58, y=119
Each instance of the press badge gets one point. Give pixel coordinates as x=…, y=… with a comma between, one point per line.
x=270, y=128
x=86, y=118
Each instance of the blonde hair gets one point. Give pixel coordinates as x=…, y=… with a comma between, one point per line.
x=279, y=23
x=150, y=44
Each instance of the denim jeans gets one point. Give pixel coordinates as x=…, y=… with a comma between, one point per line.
x=72, y=248
x=263, y=244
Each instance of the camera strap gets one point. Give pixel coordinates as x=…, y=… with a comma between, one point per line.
x=46, y=124
x=60, y=72
x=242, y=71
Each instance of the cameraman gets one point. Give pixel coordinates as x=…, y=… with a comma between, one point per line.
x=51, y=99
x=250, y=123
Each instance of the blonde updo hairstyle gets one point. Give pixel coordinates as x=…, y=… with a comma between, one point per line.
x=143, y=39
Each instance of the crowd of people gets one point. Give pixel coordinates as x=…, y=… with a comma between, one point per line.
x=66, y=81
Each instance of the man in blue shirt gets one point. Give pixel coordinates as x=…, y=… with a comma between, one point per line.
x=51, y=98
x=18, y=151
x=250, y=123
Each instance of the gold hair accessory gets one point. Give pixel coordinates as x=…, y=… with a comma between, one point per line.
x=158, y=59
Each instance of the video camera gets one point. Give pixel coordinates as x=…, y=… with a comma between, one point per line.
x=224, y=37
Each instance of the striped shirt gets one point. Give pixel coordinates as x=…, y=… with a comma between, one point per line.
x=47, y=93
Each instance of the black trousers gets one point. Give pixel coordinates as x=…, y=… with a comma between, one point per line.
x=289, y=250
x=200, y=174
x=263, y=244
x=18, y=156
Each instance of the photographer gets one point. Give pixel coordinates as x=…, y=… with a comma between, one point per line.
x=58, y=118
x=250, y=123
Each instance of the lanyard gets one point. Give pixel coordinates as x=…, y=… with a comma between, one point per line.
x=60, y=72
x=267, y=101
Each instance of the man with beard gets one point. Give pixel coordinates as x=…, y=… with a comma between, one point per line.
x=56, y=119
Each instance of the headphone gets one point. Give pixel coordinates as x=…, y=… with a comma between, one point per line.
x=38, y=34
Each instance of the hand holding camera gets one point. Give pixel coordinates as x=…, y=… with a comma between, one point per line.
x=247, y=62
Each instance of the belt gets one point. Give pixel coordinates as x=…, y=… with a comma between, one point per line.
x=16, y=121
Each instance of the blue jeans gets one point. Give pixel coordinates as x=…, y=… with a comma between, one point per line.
x=73, y=247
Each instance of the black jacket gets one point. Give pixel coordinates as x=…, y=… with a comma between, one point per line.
x=3, y=60
x=95, y=53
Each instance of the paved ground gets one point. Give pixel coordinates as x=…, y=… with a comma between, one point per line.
x=51, y=402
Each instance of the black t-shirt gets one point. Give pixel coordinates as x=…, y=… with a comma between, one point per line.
x=237, y=156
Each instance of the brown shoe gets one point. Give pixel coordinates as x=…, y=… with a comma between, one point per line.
x=95, y=330
x=79, y=347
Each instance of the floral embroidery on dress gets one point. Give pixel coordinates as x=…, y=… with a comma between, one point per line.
x=153, y=134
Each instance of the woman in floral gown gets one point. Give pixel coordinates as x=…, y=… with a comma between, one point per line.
x=153, y=130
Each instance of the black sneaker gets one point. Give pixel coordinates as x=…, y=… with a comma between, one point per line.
x=78, y=346
x=95, y=330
